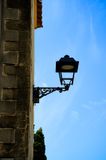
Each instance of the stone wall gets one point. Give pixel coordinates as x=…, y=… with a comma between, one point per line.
x=15, y=80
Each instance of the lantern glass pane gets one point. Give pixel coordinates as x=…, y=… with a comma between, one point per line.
x=67, y=75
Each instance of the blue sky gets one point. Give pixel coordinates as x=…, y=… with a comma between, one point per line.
x=74, y=122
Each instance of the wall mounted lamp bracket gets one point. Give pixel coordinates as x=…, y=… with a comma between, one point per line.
x=39, y=92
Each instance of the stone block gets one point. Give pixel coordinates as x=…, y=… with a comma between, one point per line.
x=22, y=106
x=6, y=150
x=16, y=25
x=20, y=136
x=23, y=59
x=11, y=46
x=18, y=4
x=10, y=4
x=11, y=35
x=25, y=15
x=9, y=94
x=11, y=57
x=24, y=45
x=9, y=82
x=23, y=35
x=7, y=107
x=22, y=120
x=9, y=69
x=23, y=77
x=7, y=135
x=22, y=95
x=11, y=14
x=7, y=121
x=12, y=24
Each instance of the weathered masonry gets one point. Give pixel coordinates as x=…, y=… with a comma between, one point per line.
x=16, y=79
x=18, y=18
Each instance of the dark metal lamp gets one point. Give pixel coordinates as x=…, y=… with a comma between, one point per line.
x=64, y=65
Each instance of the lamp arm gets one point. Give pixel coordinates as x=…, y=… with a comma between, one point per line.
x=39, y=92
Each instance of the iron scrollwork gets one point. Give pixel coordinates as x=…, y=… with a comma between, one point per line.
x=39, y=92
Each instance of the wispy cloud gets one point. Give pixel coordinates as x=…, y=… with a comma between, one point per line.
x=98, y=103
x=57, y=8
x=97, y=110
x=92, y=104
x=94, y=46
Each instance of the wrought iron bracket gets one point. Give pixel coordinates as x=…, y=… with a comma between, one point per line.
x=39, y=92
